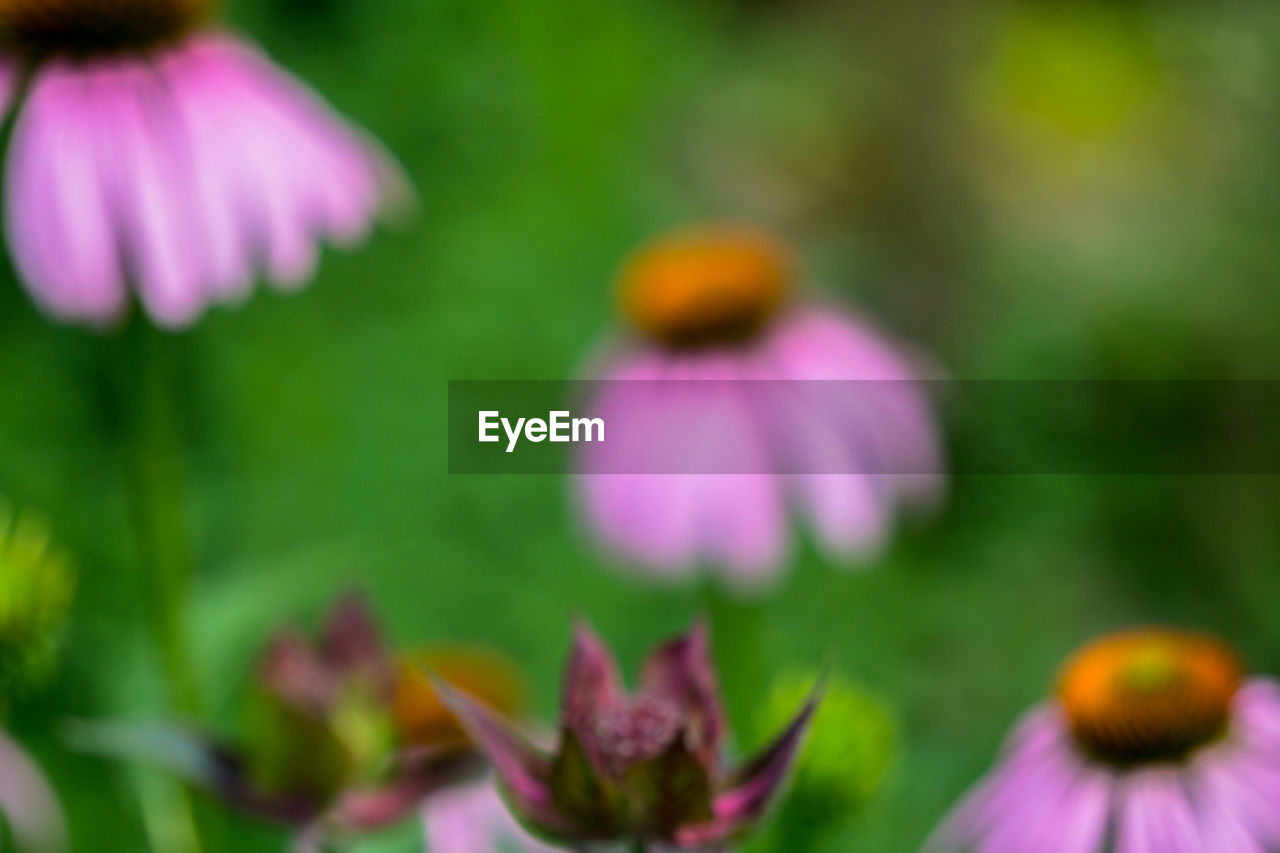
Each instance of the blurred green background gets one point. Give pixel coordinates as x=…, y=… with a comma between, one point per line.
x=1027, y=190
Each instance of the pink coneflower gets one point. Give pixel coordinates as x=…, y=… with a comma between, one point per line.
x=155, y=157
x=715, y=311
x=1154, y=743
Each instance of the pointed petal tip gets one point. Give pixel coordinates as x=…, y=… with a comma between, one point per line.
x=591, y=676
x=523, y=771
x=754, y=786
x=584, y=632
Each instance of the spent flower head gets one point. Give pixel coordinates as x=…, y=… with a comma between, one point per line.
x=644, y=767
x=341, y=736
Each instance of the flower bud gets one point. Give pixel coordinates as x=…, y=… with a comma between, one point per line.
x=36, y=588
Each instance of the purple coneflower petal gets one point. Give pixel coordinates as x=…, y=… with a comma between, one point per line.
x=1156, y=815
x=890, y=423
x=1034, y=750
x=347, y=175
x=143, y=158
x=1245, y=786
x=1222, y=821
x=728, y=511
x=1257, y=714
x=28, y=805
x=58, y=206
x=181, y=173
x=474, y=819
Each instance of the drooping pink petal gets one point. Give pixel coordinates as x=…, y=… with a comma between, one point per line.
x=1222, y=822
x=1038, y=748
x=843, y=488
x=1156, y=815
x=1083, y=819
x=1240, y=783
x=1256, y=714
x=143, y=161
x=28, y=805
x=682, y=671
x=181, y=174
x=299, y=169
x=1050, y=805
x=889, y=420
x=684, y=475
x=58, y=204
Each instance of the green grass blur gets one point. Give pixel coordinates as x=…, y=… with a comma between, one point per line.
x=1032, y=190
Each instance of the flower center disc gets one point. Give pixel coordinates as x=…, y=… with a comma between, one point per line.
x=93, y=26
x=705, y=287
x=1149, y=695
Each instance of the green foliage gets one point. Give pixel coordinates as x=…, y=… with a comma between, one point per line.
x=852, y=746
x=36, y=588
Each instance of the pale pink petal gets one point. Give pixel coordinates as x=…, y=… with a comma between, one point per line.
x=1221, y=823
x=180, y=173
x=218, y=182
x=889, y=421
x=1257, y=715
x=28, y=805
x=1023, y=792
x=142, y=157
x=1082, y=821
x=695, y=485
x=58, y=204
x=473, y=819
x=1244, y=786
x=1156, y=815
x=316, y=177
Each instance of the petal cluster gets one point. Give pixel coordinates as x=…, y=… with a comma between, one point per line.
x=710, y=450
x=178, y=176
x=637, y=767
x=1048, y=795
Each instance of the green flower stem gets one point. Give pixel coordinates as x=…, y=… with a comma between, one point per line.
x=737, y=635
x=153, y=451
x=153, y=455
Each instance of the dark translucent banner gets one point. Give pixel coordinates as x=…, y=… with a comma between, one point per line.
x=865, y=427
